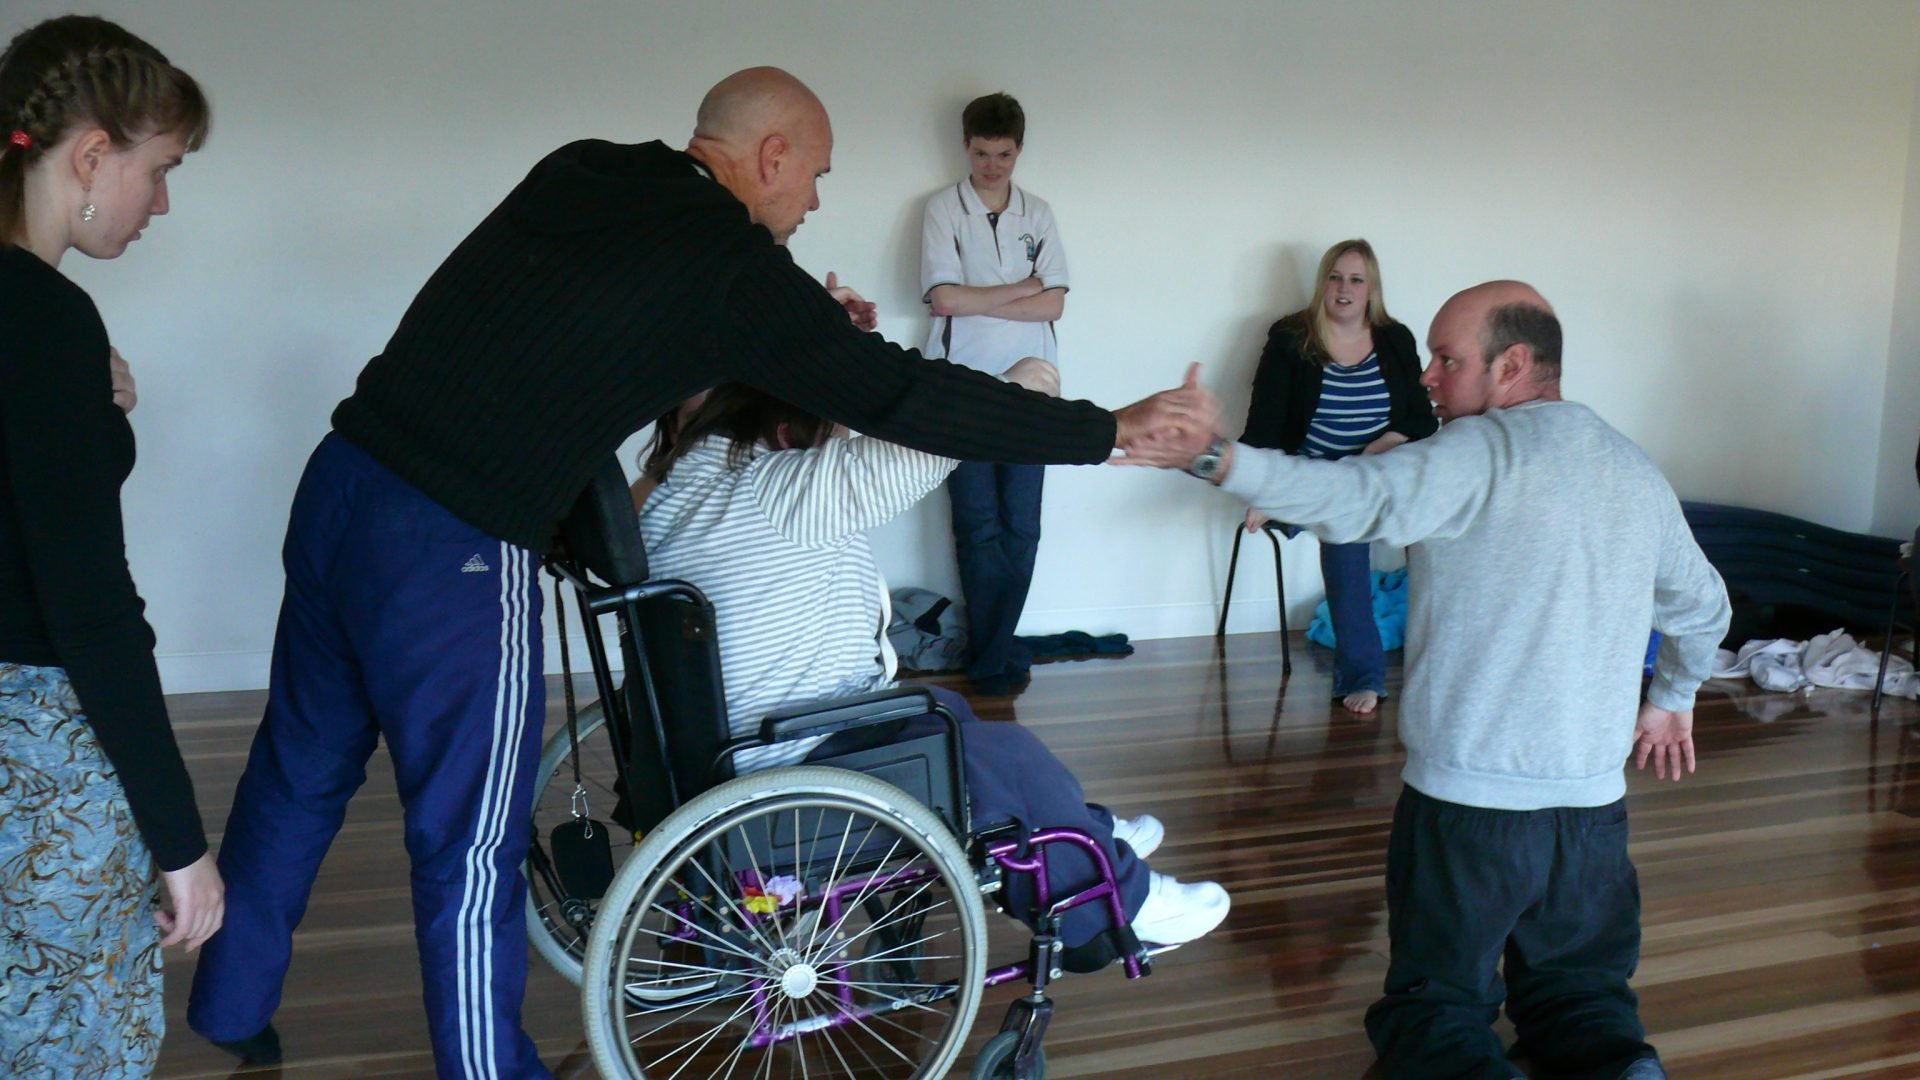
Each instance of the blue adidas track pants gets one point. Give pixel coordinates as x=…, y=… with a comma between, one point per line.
x=400, y=621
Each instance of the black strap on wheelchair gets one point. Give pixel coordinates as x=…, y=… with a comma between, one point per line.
x=582, y=848
x=580, y=809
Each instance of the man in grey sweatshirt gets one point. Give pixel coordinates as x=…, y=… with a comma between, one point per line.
x=1542, y=545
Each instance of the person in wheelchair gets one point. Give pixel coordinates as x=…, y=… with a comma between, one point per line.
x=766, y=509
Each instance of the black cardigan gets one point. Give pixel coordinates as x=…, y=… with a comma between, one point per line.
x=1286, y=388
x=67, y=599
x=612, y=283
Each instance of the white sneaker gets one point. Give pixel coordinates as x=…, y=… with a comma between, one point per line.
x=1175, y=913
x=1143, y=834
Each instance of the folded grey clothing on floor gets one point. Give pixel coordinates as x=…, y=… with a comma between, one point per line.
x=1833, y=660
x=928, y=631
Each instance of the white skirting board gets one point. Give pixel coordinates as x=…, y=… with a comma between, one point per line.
x=1254, y=611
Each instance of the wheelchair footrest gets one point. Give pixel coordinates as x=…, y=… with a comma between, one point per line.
x=1105, y=948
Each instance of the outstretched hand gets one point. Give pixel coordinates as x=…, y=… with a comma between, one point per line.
x=1168, y=429
x=1666, y=737
x=864, y=313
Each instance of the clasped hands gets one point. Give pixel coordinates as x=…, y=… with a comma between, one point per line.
x=1169, y=429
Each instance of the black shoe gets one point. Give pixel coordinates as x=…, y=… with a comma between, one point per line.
x=258, y=1049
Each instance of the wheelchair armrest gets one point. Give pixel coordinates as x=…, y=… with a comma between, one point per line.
x=843, y=714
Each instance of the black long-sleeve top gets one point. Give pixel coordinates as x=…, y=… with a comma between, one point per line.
x=1286, y=387
x=67, y=598
x=613, y=282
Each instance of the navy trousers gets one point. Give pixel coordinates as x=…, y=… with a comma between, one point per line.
x=1359, y=662
x=402, y=622
x=1012, y=776
x=996, y=535
x=1548, y=895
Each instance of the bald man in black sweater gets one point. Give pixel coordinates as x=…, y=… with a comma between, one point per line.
x=614, y=281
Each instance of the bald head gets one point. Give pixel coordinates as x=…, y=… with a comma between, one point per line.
x=766, y=138
x=1476, y=303
x=1493, y=346
x=747, y=106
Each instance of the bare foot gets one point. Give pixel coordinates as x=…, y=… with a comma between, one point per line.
x=1362, y=703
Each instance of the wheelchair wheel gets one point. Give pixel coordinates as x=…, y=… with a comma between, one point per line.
x=558, y=925
x=759, y=928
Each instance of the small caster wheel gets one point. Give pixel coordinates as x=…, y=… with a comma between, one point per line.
x=996, y=1060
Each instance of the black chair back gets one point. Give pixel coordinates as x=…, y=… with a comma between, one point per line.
x=669, y=720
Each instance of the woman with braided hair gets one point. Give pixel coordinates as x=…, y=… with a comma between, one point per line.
x=94, y=796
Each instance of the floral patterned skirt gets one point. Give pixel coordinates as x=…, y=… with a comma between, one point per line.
x=80, y=987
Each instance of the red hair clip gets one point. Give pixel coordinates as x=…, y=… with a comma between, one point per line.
x=21, y=139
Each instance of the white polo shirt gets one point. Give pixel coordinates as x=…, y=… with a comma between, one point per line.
x=962, y=244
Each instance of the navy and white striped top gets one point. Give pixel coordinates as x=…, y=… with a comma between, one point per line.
x=779, y=545
x=1353, y=410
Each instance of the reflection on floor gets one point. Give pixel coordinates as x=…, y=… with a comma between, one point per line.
x=1781, y=883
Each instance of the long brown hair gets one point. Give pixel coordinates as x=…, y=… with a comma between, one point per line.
x=81, y=70
x=749, y=418
x=1315, y=314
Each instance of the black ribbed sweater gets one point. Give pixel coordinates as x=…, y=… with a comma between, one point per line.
x=67, y=599
x=612, y=283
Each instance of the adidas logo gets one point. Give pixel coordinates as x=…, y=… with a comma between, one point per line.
x=475, y=565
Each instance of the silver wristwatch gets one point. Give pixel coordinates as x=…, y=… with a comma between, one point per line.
x=1206, y=465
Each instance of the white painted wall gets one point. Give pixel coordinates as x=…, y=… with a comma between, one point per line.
x=1897, y=508
x=1711, y=193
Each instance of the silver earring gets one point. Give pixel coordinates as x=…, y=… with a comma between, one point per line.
x=86, y=212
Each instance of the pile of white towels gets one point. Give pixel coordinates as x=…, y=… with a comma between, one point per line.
x=1832, y=660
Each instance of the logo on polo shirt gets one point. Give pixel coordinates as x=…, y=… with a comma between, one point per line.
x=475, y=565
x=1033, y=246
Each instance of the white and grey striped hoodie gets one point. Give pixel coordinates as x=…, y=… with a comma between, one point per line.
x=779, y=545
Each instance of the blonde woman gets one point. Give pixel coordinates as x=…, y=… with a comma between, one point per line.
x=1341, y=377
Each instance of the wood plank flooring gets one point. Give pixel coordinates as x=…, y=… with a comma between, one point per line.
x=1781, y=884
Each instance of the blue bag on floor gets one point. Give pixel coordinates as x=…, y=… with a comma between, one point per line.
x=1389, y=612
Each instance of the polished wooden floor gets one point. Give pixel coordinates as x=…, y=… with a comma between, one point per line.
x=1781, y=884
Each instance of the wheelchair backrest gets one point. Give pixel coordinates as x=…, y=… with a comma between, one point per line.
x=670, y=717
x=601, y=533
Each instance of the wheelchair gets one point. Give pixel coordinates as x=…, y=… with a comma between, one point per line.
x=820, y=919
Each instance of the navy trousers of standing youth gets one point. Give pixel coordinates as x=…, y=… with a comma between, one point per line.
x=1548, y=895
x=996, y=536
x=402, y=622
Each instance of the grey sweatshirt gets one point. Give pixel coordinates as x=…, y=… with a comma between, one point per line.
x=1542, y=546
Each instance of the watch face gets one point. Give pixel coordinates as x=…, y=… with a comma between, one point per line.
x=1207, y=462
